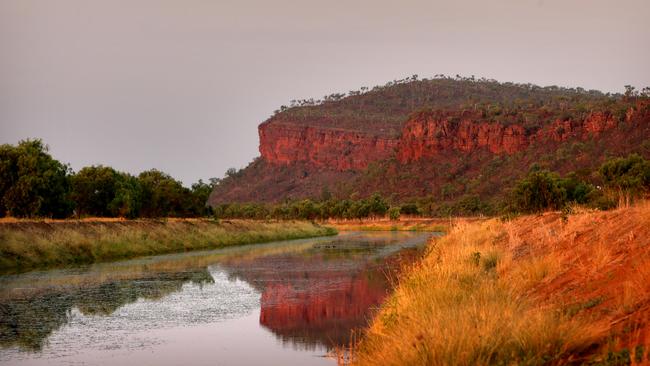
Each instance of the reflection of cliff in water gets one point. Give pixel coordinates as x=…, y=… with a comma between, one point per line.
x=309, y=317
x=319, y=297
x=27, y=321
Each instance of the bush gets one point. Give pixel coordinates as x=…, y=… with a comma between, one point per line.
x=629, y=175
x=409, y=209
x=394, y=213
x=538, y=191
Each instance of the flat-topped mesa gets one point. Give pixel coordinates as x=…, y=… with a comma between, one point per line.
x=322, y=147
x=423, y=136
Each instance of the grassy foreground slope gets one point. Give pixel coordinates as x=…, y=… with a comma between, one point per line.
x=542, y=289
x=32, y=243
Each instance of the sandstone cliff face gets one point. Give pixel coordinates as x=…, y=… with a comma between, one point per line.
x=424, y=135
x=321, y=147
x=429, y=135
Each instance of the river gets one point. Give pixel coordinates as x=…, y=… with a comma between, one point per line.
x=280, y=303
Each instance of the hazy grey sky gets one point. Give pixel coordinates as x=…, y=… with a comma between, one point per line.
x=182, y=85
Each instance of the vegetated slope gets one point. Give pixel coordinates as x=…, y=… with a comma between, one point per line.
x=542, y=289
x=444, y=138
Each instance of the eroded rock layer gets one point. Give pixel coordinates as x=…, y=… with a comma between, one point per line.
x=322, y=147
x=424, y=135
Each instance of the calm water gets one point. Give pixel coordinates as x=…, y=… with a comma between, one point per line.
x=274, y=304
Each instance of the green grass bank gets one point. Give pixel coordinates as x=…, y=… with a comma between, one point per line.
x=30, y=244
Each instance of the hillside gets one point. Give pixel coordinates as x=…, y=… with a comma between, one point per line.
x=443, y=138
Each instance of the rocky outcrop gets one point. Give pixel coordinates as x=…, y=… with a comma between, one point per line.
x=431, y=150
x=424, y=135
x=284, y=143
x=428, y=135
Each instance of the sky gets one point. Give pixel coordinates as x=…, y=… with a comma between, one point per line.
x=181, y=85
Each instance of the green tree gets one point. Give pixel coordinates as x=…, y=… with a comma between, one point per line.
x=409, y=209
x=128, y=197
x=394, y=213
x=471, y=205
x=200, y=193
x=629, y=176
x=538, y=191
x=163, y=196
x=631, y=173
x=305, y=209
x=32, y=182
x=577, y=190
x=8, y=172
x=377, y=205
x=94, y=189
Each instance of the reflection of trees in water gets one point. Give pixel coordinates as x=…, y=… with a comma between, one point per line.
x=27, y=322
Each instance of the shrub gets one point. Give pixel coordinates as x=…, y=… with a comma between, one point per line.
x=629, y=176
x=394, y=213
x=409, y=209
x=538, y=191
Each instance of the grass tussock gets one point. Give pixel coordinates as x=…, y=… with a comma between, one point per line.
x=33, y=244
x=539, y=289
x=466, y=304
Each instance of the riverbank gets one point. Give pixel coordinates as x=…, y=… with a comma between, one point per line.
x=402, y=224
x=540, y=289
x=32, y=243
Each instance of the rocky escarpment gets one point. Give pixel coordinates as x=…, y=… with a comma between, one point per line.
x=442, y=139
x=284, y=143
x=425, y=135
x=429, y=134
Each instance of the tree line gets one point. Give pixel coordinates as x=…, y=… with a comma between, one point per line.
x=308, y=209
x=34, y=184
x=618, y=181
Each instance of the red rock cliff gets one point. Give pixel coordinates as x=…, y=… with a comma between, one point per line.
x=283, y=143
x=429, y=134
x=424, y=135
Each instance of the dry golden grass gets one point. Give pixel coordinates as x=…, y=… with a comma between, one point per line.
x=31, y=243
x=541, y=289
x=403, y=224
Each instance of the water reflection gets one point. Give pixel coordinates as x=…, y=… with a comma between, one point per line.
x=311, y=318
x=311, y=292
x=27, y=321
